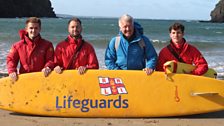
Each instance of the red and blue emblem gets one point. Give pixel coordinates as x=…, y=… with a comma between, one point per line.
x=111, y=86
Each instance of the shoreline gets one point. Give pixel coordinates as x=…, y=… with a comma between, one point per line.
x=8, y=118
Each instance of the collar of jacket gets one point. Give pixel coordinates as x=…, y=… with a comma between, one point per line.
x=71, y=40
x=180, y=50
x=137, y=36
x=178, y=46
x=35, y=41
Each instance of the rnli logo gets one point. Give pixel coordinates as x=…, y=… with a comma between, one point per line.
x=111, y=86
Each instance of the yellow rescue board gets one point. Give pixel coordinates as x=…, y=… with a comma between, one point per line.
x=178, y=67
x=105, y=93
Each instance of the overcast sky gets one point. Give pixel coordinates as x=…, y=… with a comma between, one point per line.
x=149, y=9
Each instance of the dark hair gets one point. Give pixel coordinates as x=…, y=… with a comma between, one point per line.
x=33, y=20
x=75, y=19
x=177, y=26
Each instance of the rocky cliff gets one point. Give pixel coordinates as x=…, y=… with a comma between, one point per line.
x=26, y=8
x=217, y=15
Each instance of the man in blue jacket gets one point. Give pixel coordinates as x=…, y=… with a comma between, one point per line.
x=130, y=50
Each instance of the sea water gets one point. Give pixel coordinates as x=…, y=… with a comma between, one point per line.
x=207, y=37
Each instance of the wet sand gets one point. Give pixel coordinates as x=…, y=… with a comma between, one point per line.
x=8, y=118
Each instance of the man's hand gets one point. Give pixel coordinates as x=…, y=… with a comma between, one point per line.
x=13, y=76
x=58, y=69
x=81, y=69
x=148, y=71
x=46, y=71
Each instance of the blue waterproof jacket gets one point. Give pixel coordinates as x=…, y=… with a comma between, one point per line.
x=130, y=55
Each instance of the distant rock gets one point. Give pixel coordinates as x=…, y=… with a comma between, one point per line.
x=26, y=8
x=217, y=15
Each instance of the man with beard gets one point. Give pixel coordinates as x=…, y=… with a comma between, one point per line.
x=74, y=52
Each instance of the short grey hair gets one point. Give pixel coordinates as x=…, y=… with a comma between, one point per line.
x=126, y=18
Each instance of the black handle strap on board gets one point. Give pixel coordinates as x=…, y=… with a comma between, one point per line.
x=74, y=56
x=175, y=54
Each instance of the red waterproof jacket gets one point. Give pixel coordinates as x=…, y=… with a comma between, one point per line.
x=64, y=54
x=189, y=54
x=33, y=55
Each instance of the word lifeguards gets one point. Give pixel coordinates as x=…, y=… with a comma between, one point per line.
x=86, y=104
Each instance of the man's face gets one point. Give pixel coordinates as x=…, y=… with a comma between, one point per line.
x=33, y=30
x=176, y=36
x=74, y=28
x=127, y=28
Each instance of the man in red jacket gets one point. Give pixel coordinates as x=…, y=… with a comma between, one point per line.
x=34, y=53
x=74, y=52
x=180, y=50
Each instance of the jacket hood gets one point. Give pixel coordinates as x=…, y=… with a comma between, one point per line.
x=138, y=28
x=22, y=33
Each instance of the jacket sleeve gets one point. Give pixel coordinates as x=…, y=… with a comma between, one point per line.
x=50, y=57
x=200, y=63
x=110, y=56
x=12, y=60
x=92, y=59
x=151, y=55
x=161, y=60
x=58, y=57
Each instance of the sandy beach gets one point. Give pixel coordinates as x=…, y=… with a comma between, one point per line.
x=8, y=118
